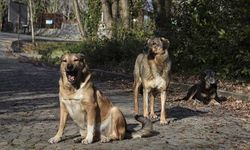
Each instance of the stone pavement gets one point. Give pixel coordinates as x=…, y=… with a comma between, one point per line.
x=29, y=115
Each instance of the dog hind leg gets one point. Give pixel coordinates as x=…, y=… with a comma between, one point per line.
x=118, y=126
x=136, y=87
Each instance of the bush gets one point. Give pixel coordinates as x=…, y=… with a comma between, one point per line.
x=211, y=34
x=110, y=54
x=204, y=34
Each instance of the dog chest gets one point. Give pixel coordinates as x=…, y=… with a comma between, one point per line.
x=76, y=111
x=158, y=82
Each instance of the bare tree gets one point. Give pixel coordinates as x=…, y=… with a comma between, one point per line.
x=107, y=14
x=124, y=13
x=115, y=10
x=162, y=9
x=78, y=18
x=31, y=21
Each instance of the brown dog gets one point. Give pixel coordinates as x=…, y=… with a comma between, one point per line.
x=152, y=73
x=88, y=107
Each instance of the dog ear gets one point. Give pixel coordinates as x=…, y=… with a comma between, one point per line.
x=81, y=57
x=165, y=42
x=202, y=75
x=62, y=57
x=149, y=41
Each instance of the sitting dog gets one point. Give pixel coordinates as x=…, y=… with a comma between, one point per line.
x=205, y=90
x=152, y=75
x=88, y=107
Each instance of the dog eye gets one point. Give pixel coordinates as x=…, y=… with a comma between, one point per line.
x=76, y=59
x=64, y=60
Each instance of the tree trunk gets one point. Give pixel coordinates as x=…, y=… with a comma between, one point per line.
x=125, y=13
x=31, y=21
x=115, y=8
x=77, y=14
x=159, y=7
x=141, y=14
x=168, y=6
x=163, y=15
x=107, y=16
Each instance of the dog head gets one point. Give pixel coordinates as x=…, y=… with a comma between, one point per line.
x=72, y=67
x=158, y=45
x=208, y=77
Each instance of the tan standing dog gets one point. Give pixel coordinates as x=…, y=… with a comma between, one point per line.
x=152, y=75
x=88, y=107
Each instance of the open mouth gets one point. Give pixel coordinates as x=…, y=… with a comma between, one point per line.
x=71, y=75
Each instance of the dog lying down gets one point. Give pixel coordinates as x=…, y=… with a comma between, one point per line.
x=205, y=90
x=93, y=113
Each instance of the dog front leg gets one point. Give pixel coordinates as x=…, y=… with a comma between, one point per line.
x=191, y=93
x=163, y=100
x=63, y=118
x=145, y=102
x=152, y=112
x=91, y=121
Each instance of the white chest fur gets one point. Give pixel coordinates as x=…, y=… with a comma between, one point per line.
x=76, y=111
x=158, y=82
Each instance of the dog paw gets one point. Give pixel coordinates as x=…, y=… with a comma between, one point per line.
x=214, y=103
x=164, y=122
x=105, y=139
x=86, y=141
x=54, y=140
x=153, y=117
x=197, y=102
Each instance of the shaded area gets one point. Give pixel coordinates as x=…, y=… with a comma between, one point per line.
x=178, y=113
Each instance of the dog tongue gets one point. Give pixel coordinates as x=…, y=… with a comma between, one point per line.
x=71, y=78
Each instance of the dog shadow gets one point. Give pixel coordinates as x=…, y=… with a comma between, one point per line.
x=178, y=113
x=131, y=128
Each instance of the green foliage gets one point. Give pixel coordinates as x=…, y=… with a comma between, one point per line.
x=3, y=7
x=203, y=34
x=39, y=7
x=212, y=34
x=91, y=18
x=115, y=54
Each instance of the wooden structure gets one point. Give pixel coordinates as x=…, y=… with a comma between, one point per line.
x=50, y=20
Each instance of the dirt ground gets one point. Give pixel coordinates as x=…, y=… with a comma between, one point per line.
x=29, y=114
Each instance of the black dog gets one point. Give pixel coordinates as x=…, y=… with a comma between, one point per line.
x=206, y=89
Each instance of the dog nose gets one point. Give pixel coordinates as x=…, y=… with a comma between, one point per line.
x=70, y=67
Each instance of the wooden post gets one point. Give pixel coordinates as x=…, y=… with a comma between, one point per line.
x=31, y=22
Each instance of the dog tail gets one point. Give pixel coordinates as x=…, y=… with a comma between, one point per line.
x=145, y=131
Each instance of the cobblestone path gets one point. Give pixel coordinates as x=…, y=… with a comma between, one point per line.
x=29, y=115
